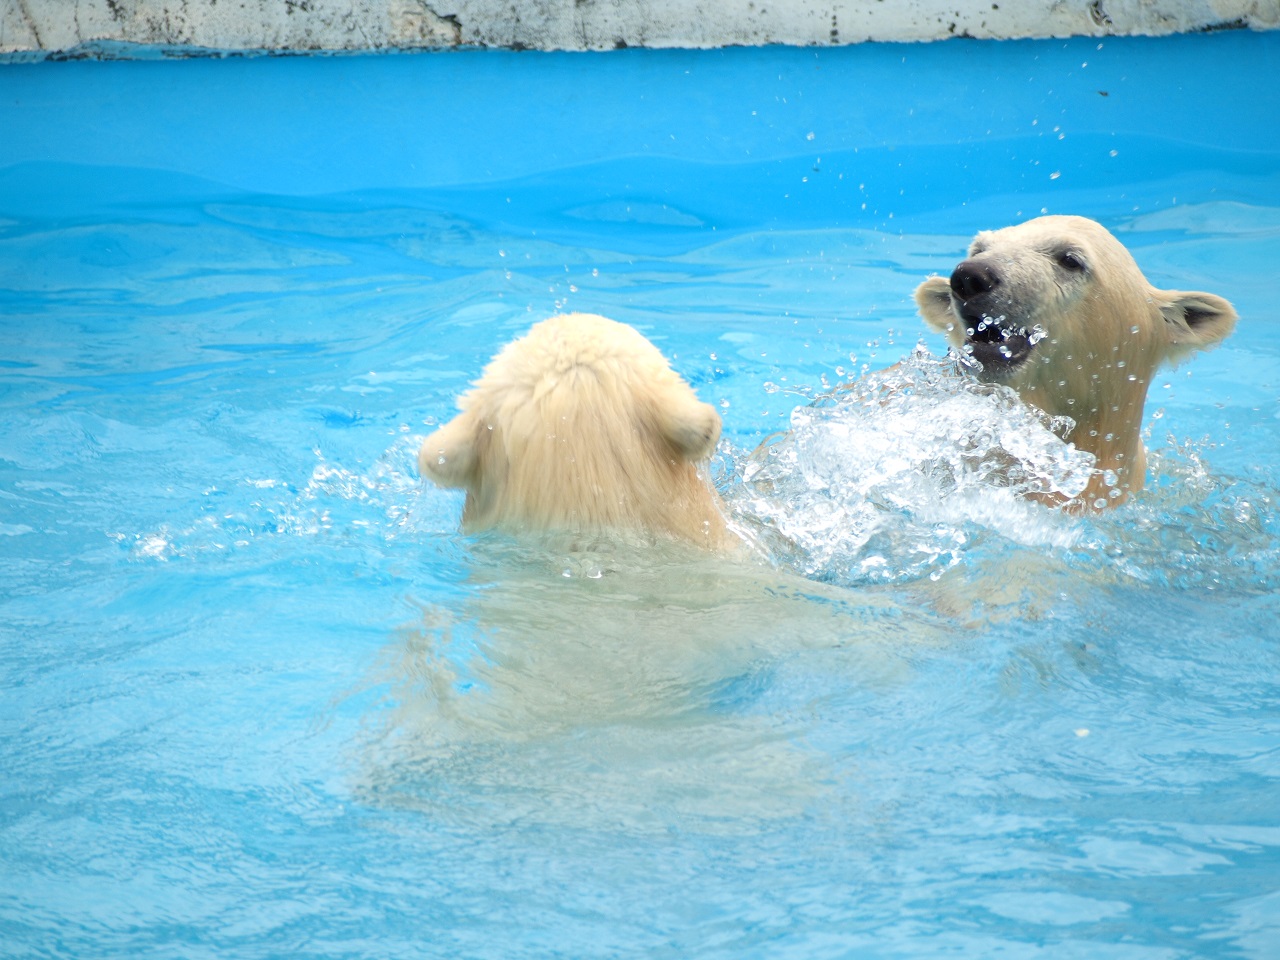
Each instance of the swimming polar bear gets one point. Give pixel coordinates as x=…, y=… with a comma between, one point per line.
x=581, y=426
x=1057, y=309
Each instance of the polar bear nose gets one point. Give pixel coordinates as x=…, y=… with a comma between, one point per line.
x=972, y=278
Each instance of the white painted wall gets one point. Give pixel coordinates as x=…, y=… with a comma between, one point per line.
x=54, y=26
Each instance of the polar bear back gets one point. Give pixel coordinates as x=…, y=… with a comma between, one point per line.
x=581, y=425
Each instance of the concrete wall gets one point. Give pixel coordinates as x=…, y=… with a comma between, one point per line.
x=101, y=27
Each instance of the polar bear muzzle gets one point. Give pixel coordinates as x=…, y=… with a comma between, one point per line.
x=981, y=302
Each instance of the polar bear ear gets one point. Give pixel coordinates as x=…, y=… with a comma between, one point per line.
x=1195, y=320
x=448, y=457
x=693, y=428
x=933, y=298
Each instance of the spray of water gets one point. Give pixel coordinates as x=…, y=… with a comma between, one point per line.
x=900, y=476
x=892, y=477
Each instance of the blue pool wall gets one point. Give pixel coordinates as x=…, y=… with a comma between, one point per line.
x=880, y=136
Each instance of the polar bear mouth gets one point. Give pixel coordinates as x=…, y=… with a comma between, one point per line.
x=999, y=346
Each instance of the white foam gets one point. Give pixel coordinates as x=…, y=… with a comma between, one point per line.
x=891, y=477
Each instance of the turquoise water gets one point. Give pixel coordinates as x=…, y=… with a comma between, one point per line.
x=260, y=698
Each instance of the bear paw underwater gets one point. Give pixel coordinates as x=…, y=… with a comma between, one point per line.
x=1058, y=309
x=582, y=426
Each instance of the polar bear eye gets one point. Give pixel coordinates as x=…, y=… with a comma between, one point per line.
x=1069, y=260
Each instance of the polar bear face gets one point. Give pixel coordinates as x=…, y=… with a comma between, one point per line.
x=1057, y=309
x=581, y=426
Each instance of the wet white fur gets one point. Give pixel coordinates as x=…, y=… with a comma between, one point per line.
x=582, y=426
x=1106, y=331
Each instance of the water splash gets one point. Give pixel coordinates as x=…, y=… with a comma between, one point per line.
x=892, y=477
x=386, y=499
x=1194, y=528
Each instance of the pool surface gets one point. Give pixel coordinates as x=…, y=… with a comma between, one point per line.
x=258, y=696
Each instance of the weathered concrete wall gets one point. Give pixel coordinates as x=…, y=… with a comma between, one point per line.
x=101, y=26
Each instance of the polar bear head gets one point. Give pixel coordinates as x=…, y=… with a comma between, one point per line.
x=1058, y=309
x=582, y=426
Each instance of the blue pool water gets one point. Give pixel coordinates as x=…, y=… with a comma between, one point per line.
x=260, y=698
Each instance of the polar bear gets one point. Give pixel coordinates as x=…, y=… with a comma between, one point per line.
x=582, y=426
x=1057, y=309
